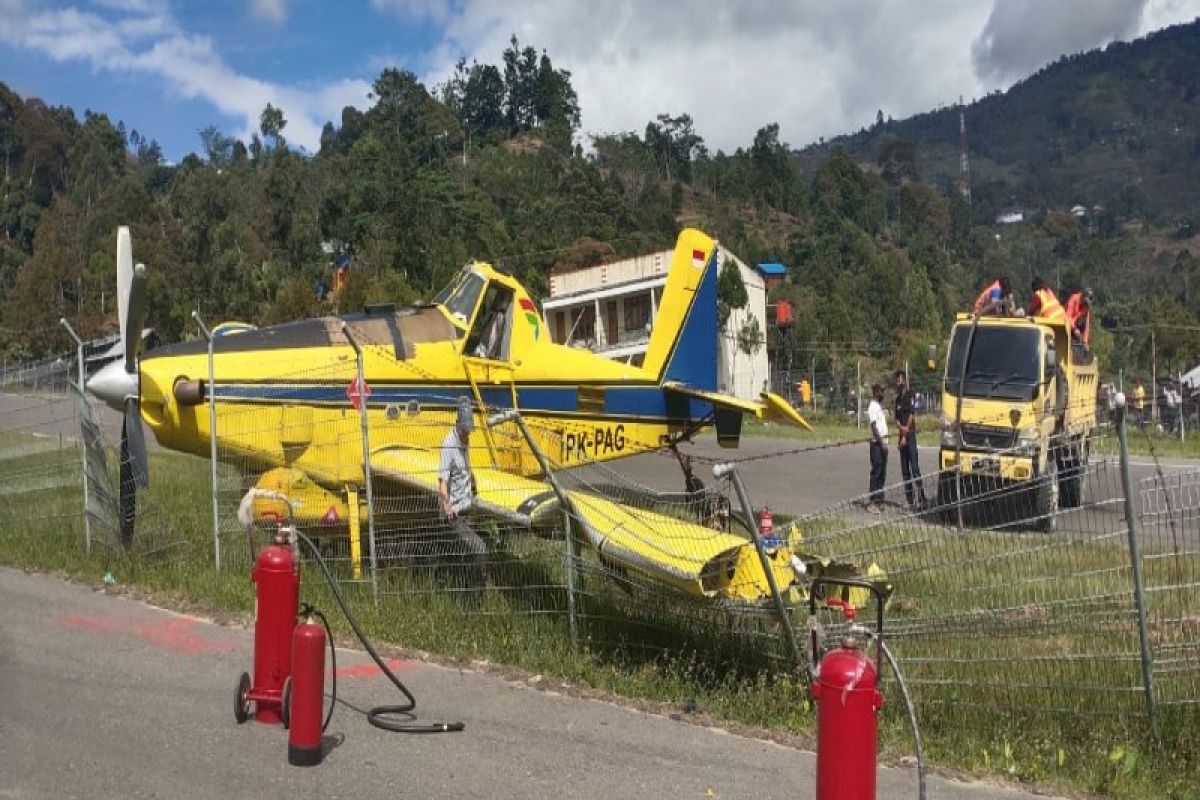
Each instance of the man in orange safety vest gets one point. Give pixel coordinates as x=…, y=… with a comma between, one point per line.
x=1045, y=304
x=996, y=298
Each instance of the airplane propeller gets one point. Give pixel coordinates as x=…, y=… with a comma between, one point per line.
x=117, y=383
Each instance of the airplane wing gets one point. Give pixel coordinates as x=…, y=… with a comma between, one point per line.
x=519, y=500
x=697, y=560
x=773, y=408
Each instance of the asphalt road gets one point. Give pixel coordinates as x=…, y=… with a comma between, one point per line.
x=105, y=697
x=803, y=483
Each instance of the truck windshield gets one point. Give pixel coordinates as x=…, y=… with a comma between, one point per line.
x=1004, y=362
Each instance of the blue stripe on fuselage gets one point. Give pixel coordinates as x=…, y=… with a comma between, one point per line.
x=648, y=402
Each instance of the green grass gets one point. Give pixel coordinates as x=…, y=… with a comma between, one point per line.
x=658, y=649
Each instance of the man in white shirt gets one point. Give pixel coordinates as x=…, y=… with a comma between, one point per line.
x=877, y=422
x=456, y=493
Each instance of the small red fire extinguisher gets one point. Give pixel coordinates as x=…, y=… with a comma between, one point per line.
x=766, y=525
x=304, y=695
x=845, y=687
x=276, y=577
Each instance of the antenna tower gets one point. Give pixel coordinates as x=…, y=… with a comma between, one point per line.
x=964, y=168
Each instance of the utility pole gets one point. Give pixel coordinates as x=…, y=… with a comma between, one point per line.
x=964, y=168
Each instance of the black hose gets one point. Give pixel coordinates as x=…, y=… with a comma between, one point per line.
x=912, y=718
x=376, y=716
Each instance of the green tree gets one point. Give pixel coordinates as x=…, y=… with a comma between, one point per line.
x=731, y=292
x=271, y=124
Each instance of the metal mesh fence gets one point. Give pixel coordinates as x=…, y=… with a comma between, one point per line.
x=40, y=457
x=1008, y=597
x=1170, y=529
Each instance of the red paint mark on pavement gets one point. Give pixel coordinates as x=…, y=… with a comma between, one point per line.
x=177, y=634
x=369, y=670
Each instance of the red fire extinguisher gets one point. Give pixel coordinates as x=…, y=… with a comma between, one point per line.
x=845, y=687
x=276, y=576
x=304, y=694
x=766, y=526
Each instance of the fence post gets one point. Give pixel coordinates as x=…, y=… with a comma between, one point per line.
x=361, y=379
x=1179, y=411
x=1135, y=559
x=87, y=520
x=212, y=437
x=958, y=404
x=858, y=393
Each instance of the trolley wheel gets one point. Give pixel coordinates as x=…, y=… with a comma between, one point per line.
x=241, y=703
x=285, y=705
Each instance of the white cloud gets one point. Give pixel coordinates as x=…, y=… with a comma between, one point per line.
x=150, y=42
x=815, y=67
x=273, y=11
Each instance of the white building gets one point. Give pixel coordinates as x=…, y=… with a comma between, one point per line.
x=611, y=308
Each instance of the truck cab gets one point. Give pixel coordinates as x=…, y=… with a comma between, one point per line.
x=1018, y=409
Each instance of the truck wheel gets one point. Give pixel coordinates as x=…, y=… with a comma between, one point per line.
x=1045, y=498
x=1072, y=477
x=947, y=499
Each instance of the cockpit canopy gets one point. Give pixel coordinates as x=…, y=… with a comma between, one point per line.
x=480, y=306
x=460, y=297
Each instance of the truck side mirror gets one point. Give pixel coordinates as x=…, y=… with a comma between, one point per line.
x=1051, y=362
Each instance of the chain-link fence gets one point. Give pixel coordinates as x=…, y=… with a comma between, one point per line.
x=1010, y=594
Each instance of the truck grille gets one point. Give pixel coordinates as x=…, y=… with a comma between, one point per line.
x=988, y=436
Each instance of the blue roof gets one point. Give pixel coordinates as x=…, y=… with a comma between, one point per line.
x=772, y=270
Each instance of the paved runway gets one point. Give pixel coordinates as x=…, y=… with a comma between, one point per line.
x=104, y=697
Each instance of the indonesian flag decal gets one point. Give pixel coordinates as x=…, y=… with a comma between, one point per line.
x=698, y=259
x=531, y=316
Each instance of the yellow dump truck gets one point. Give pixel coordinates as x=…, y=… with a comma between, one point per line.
x=1027, y=417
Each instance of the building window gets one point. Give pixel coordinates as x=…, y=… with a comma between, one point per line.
x=637, y=313
x=583, y=325
x=560, y=327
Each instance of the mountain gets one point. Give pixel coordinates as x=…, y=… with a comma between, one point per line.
x=1117, y=128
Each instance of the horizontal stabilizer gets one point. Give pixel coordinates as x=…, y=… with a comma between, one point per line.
x=773, y=408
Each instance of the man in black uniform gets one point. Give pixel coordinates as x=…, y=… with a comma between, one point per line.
x=906, y=425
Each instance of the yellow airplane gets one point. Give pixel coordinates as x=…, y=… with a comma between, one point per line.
x=286, y=397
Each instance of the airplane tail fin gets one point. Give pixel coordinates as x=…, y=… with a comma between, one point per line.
x=683, y=342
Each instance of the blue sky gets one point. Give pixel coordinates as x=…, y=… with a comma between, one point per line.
x=168, y=68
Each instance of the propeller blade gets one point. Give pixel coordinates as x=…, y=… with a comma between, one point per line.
x=127, y=493
x=134, y=474
x=131, y=333
x=131, y=298
x=132, y=432
x=124, y=273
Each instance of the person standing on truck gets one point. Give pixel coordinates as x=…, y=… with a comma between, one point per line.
x=906, y=444
x=879, y=451
x=1079, y=314
x=1045, y=304
x=996, y=298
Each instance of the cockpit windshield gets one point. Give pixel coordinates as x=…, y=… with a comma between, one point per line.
x=461, y=295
